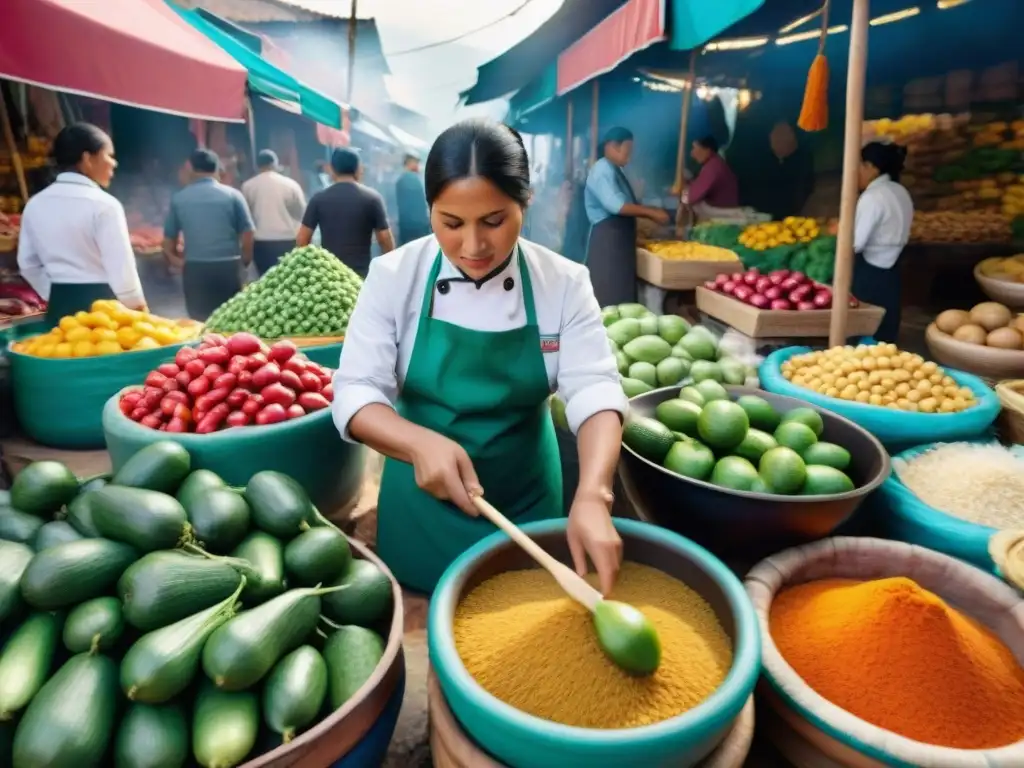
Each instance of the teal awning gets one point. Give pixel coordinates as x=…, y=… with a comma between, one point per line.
x=265, y=78
x=535, y=94
x=695, y=22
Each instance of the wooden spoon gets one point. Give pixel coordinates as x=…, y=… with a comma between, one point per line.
x=625, y=635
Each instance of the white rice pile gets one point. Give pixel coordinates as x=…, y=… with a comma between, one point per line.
x=983, y=484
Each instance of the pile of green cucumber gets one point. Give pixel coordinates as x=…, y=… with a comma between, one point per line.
x=160, y=618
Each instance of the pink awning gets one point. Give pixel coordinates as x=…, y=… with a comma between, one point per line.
x=135, y=52
x=633, y=27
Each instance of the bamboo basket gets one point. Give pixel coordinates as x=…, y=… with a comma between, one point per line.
x=1011, y=418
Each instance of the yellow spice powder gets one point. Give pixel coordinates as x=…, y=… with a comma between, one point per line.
x=532, y=647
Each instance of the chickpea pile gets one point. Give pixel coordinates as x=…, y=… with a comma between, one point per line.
x=879, y=374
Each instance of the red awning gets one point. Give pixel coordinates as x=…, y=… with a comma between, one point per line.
x=633, y=27
x=135, y=52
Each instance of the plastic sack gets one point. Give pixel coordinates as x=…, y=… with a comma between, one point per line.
x=893, y=428
x=308, y=449
x=59, y=402
x=911, y=520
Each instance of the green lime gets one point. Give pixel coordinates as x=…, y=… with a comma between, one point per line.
x=634, y=387
x=733, y=371
x=795, y=435
x=735, y=473
x=807, y=416
x=758, y=486
x=671, y=371
x=711, y=390
x=760, y=412
x=681, y=353
x=672, y=328
x=782, y=470
x=649, y=349
x=679, y=415
x=690, y=459
x=826, y=481
x=649, y=326
x=754, y=445
x=705, y=369
x=692, y=394
x=645, y=372
x=622, y=362
x=722, y=425
x=827, y=455
x=699, y=345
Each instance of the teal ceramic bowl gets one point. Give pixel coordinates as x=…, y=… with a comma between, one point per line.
x=524, y=741
x=326, y=355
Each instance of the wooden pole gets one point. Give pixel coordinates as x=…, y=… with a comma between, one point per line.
x=594, y=110
x=12, y=147
x=568, y=140
x=684, y=119
x=851, y=163
x=352, y=27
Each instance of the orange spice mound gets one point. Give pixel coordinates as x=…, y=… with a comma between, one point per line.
x=896, y=655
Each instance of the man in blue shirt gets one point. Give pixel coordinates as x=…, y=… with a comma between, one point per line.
x=218, y=233
x=612, y=209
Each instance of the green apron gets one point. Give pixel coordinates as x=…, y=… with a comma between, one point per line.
x=68, y=298
x=488, y=392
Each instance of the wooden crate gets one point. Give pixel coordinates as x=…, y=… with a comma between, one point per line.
x=762, y=323
x=680, y=275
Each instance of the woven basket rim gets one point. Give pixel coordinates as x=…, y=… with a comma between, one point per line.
x=948, y=577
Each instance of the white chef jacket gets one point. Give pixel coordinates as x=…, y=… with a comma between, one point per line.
x=382, y=330
x=882, y=222
x=75, y=232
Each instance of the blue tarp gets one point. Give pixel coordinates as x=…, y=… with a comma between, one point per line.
x=693, y=22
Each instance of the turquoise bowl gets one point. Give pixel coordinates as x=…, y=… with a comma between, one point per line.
x=896, y=430
x=326, y=355
x=524, y=741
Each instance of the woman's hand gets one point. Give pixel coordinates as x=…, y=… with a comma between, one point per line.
x=590, y=532
x=445, y=471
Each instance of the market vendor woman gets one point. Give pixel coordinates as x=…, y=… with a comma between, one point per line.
x=74, y=246
x=455, y=344
x=881, y=230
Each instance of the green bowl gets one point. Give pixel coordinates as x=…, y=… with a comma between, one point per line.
x=326, y=355
x=308, y=449
x=59, y=401
x=524, y=741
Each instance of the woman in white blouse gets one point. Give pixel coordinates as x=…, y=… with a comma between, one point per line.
x=881, y=230
x=453, y=348
x=74, y=246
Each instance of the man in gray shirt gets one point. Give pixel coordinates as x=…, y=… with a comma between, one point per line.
x=218, y=232
x=277, y=204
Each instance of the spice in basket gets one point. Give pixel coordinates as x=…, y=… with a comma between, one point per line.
x=982, y=484
x=897, y=656
x=534, y=648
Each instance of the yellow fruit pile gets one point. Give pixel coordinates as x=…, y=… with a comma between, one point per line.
x=881, y=375
x=1013, y=199
x=792, y=229
x=676, y=250
x=109, y=328
x=1008, y=268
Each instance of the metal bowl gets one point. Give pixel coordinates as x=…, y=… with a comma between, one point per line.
x=743, y=525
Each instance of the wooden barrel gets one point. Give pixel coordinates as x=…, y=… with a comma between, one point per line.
x=452, y=748
x=352, y=730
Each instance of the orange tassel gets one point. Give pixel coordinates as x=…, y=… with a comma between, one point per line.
x=814, y=112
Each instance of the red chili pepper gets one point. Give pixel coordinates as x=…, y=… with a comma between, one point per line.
x=215, y=355
x=178, y=397
x=152, y=399
x=155, y=379
x=183, y=412
x=126, y=407
x=255, y=362
x=313, y=401
x=244, y=344
x=291, y=380
x=177, y=425
x=211, y=398
x=245, y=380
x=214, y=339
x=184, y=356
x=266, y=375
x=169, y=370
x=237, y=364
x=171, y=385
x=272, y=414
x=225, y=381
x=195, y=368
x=212, y=371
x=237, y=398
x=295, y=411
x=139, y=414
x=199, y=387
x=183, y=379
x=211, y=421
x=238, y=419
x=296, y=365
x=167, y=406
x=132, y=397
x=310, y=382
x=152, y=421
x=278, y=393
x=253, y=405
x=282, y=351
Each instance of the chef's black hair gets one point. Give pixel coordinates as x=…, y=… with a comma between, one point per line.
x=483, y=148
x=887, y=158
x=616, y=135
x=345, y=161
x=75, y=140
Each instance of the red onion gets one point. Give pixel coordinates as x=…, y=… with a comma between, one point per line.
x=750, y=278
x=711, y=285
x=722, y=279
x=854, y=302
x=759, y=300
x=773, y=293
x=729, y=287
x=781, y=304
x=799, y=276
x=823, y=299
x=782, y=274
x=803, y=306
x=763, y=284
x=789, y=284
x=800, y=293
x=743, y=292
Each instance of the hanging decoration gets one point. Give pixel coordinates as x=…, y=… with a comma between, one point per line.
x=814, y=112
